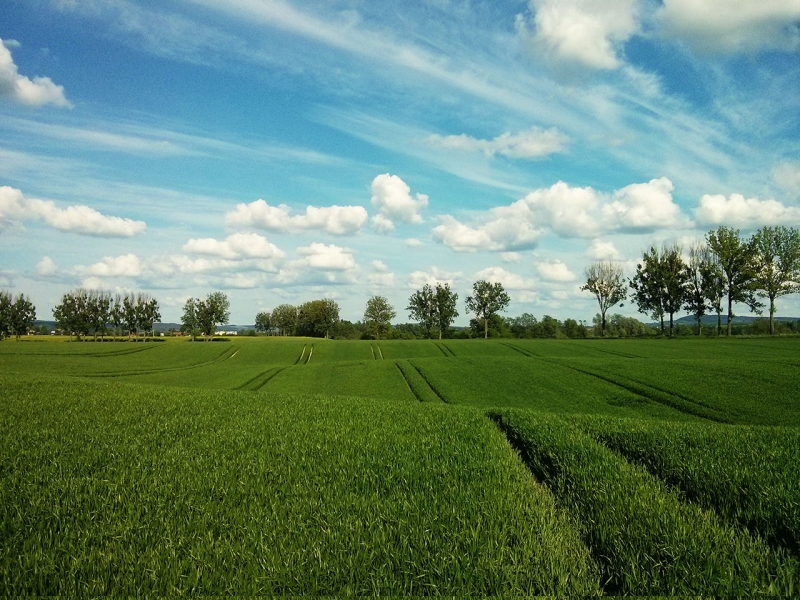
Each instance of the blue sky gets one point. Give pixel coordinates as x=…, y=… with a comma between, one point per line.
x=283, y=151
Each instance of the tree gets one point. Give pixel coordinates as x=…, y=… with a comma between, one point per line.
x=445, y=307
x=736, y=262
x=284, y=317
x=421, y=307
x=23, y=314
x=605, y=280
x=486, y=301
x=433, y=308
x=647, y=286
x=189, y=320
x=776, y=265
x=5, y=314
x=263, y=322
x=713, y=284
x=129, y=315
x=213, y=311
x=378, y=315
x=696, y=299
x=147, y=312
x=317, y=317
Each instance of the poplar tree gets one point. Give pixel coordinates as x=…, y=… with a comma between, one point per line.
x=776, y=265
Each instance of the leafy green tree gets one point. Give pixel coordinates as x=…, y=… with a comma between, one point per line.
x=129, y=315
x=263, y=322
x=99, y=312
x=73, y=313
x=434, y=308
x=486, y=301
x=736, y=263
x=445, y=308
x=713, y=284
x=605, y=280
x=214, y=310
x=117, y=315
x=147, y=312
x=648, y=287
x=284, y=317
x=5, y=314
x=189, y=320
x=696, y=300
x=23, y=314
x=422, y=309
x=776, y=265
x=378, y=315
x=317, y=317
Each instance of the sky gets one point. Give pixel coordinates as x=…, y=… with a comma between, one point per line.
x=283, y=151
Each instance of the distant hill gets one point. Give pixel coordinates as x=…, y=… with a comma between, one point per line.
x=712, y=320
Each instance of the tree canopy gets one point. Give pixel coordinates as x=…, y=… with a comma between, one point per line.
x=378, y=315
x=605, y=280
x=487, y=300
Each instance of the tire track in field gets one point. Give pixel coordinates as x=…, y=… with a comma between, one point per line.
x=408, y=383
x=441, y=349
x=218, y=358
x=660, y=396
x=269, y=378
x=527, y=353
x=430, y=385
x=302, y=354
x=449, y=349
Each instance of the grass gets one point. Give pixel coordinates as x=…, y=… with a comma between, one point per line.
x=131, y=489
x=307, y=466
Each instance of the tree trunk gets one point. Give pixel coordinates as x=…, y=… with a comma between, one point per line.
x=603, y=325
x=670, y=324
x=730, y=314
x=485, y=327
x=772, y=315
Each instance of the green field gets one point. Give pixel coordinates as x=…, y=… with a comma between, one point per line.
x=469, y=467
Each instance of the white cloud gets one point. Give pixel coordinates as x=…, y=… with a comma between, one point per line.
x=379, y=266
x=581, y=32
x=235, y=246
x=746, y=213
x=534, y=143
x=36, y=92
x=555, y=270
x=327, y=257
x=510, y=257
x=643, y=206
x=418, y=279
x=92, y=283
x=714, y=26
x=568, y=212
x=336, y=220
x=413, y=243
x=600, y=250
x=510, y=281
x=76, y=219
x=787, y=175
x=391, y=196
x=126, y=265
x=46, y=267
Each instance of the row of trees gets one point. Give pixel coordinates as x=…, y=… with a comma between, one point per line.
x=16, y=315
x=316, y=318
x=82, y=312
x=725, y=270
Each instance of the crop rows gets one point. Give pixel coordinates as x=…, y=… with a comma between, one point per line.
x=645, y=540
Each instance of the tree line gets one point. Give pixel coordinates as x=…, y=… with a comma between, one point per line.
x=16, y=315
x=723, y=270
x=82, y=312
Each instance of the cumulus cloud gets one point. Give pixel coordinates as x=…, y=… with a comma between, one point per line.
x=600, y=250
x=555, y=271
x=746, y=213
x=534, y=143
x=510, y=281
x=392, y=198
x=126, y=265
x=725, y=26
x=510, y=257
x=587, y=33
x=327, y=257
x=75, y=219
x=418, y=279
x=379, y=266
x=413, y=243
x=235, y=246
x=381, y=279
x=33, y=92
x=336, y=220
x=568, y=212
x=46, y=267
